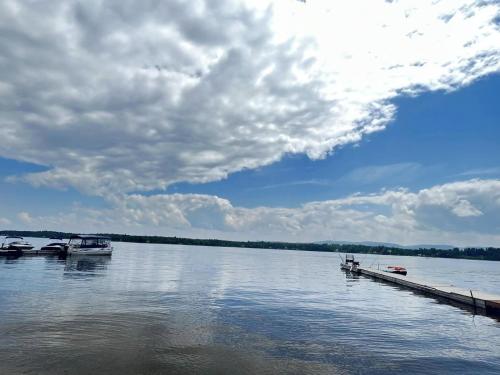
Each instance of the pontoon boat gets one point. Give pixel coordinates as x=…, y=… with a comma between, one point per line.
x=84, y=244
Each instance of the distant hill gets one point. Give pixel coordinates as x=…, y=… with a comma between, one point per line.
x=389, y=244
x=424, y=246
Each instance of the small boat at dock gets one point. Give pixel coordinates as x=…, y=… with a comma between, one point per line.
x=14, y=246
x=56, y=247
x=397, y=270
x=349, y=264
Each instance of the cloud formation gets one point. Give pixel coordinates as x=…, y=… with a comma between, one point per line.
x=25, y=217
x=460, y=213
x=124, y=96
x=4, y=221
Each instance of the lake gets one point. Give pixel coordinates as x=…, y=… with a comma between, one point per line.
x=171, y=309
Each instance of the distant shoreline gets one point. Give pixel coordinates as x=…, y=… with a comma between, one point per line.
x=488, y=253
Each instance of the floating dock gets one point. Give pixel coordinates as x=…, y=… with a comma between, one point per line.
x=41, y=252
x=487, y=303
x=32, y=252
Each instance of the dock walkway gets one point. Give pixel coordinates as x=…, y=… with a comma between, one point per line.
x=31, y=252
x=40, y=252
x=489, y=303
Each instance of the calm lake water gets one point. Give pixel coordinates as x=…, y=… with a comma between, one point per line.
x=162, y=309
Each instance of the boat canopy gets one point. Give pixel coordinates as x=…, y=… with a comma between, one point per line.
x=14, y=238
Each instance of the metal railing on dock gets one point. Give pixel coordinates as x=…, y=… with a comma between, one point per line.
x=488, y=303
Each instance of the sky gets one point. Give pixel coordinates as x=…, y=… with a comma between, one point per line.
x=253, y=120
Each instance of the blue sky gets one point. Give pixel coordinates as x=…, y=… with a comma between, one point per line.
x=19, y=196
x=435, y=138
x=276, y=120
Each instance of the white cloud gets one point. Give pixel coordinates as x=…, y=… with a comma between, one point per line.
x=461, y=213
x=25, y=217
x=463, y=208
x=480, y=172
x=4, y=221
x=123, y=96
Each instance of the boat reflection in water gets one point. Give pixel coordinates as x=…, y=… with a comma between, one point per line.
x=85, y=265
x=9, y=259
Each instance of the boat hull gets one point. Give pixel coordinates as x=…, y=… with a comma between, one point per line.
x=348, y=267
x=398, y=272
x=10, y=252
x=90, y=251
x=53, y=248
x=18, y=247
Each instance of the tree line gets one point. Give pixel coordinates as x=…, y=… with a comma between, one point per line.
x=488, y=253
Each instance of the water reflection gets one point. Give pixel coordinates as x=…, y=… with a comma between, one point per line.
x=351, y=276
x=179, y=309
x=85, y=265
x=9, y=259
x=466, y=309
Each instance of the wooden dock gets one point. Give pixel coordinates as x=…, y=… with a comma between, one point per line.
x=487, y=303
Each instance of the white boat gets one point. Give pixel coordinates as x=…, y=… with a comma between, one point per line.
x=85, y=244
x=349, y=264
x=17, y=244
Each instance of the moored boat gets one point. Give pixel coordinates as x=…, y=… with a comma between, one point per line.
x=58, y=247
x=14, y=246
x=349, y=264
x=84, y=244
x=397, y=270
x=55, y=246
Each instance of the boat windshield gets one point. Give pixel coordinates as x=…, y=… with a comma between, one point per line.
x=90, y=242
x=75, y=241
